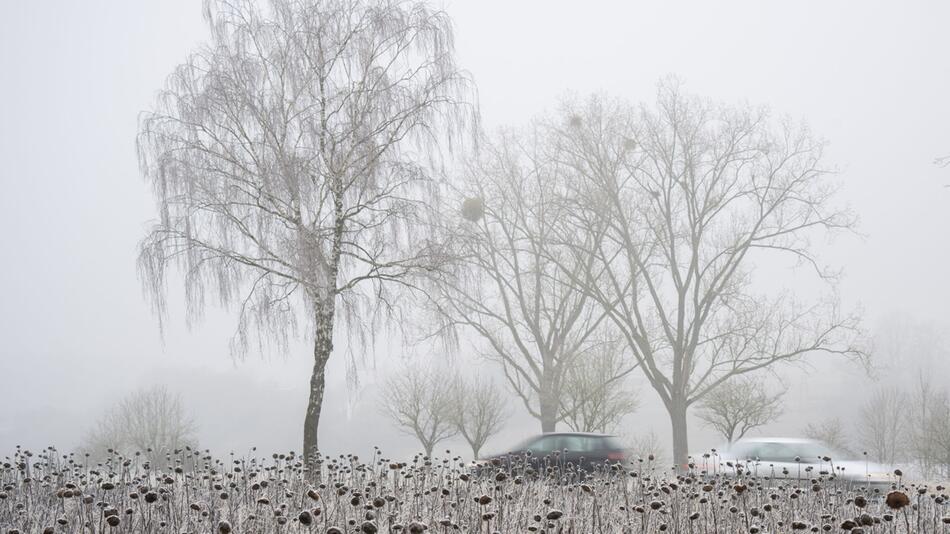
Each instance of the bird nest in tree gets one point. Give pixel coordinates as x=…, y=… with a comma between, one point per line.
x=473, y=208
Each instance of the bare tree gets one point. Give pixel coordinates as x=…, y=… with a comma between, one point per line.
x=739, y=405
x=935, y=436
x=596, y=392
x=419, y=401
x=647, y=447
x=929, y=434
x=909, y=352
x=289, y=159
x=883, y=425
x=152, y=422
x=831, y=432
x=903, y=346
x=478, y=411
x=691, y=195
x=507, y=287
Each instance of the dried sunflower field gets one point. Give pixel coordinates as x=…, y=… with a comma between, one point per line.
x=49, y=492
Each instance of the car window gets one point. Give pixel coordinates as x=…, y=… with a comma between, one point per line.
x=544, y=444
x=782, y=452
x=752, y=451
x=775, y=452
x=573, y=443
x=583, y=443
x=749, y=451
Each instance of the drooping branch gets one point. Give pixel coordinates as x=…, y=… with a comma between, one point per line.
x=287, y=151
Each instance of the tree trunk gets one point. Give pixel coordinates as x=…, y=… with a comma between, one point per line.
x=677, y=411
x=322, y=347
x=548, y=408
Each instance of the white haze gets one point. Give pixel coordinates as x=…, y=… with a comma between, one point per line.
x=870, y=77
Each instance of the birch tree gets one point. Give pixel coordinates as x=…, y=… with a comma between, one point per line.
x=290, y=159
x=693, y=195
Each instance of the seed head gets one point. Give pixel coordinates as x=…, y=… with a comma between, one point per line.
x=896, y=500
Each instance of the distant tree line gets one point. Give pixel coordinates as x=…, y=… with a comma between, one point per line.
x=905, y=418
x=896, y=425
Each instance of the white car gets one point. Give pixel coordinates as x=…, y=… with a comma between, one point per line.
x=794, y=458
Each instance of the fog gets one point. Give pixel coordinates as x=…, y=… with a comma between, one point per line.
x=871, y=79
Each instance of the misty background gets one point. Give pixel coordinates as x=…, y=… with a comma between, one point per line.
x=77, y=334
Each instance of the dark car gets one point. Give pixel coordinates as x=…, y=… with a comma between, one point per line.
x=580, y=450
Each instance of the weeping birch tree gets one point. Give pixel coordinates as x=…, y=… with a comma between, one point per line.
x=290, y=161
x=695, y=196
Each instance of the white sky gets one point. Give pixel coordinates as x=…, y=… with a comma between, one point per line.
x=75, y=333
